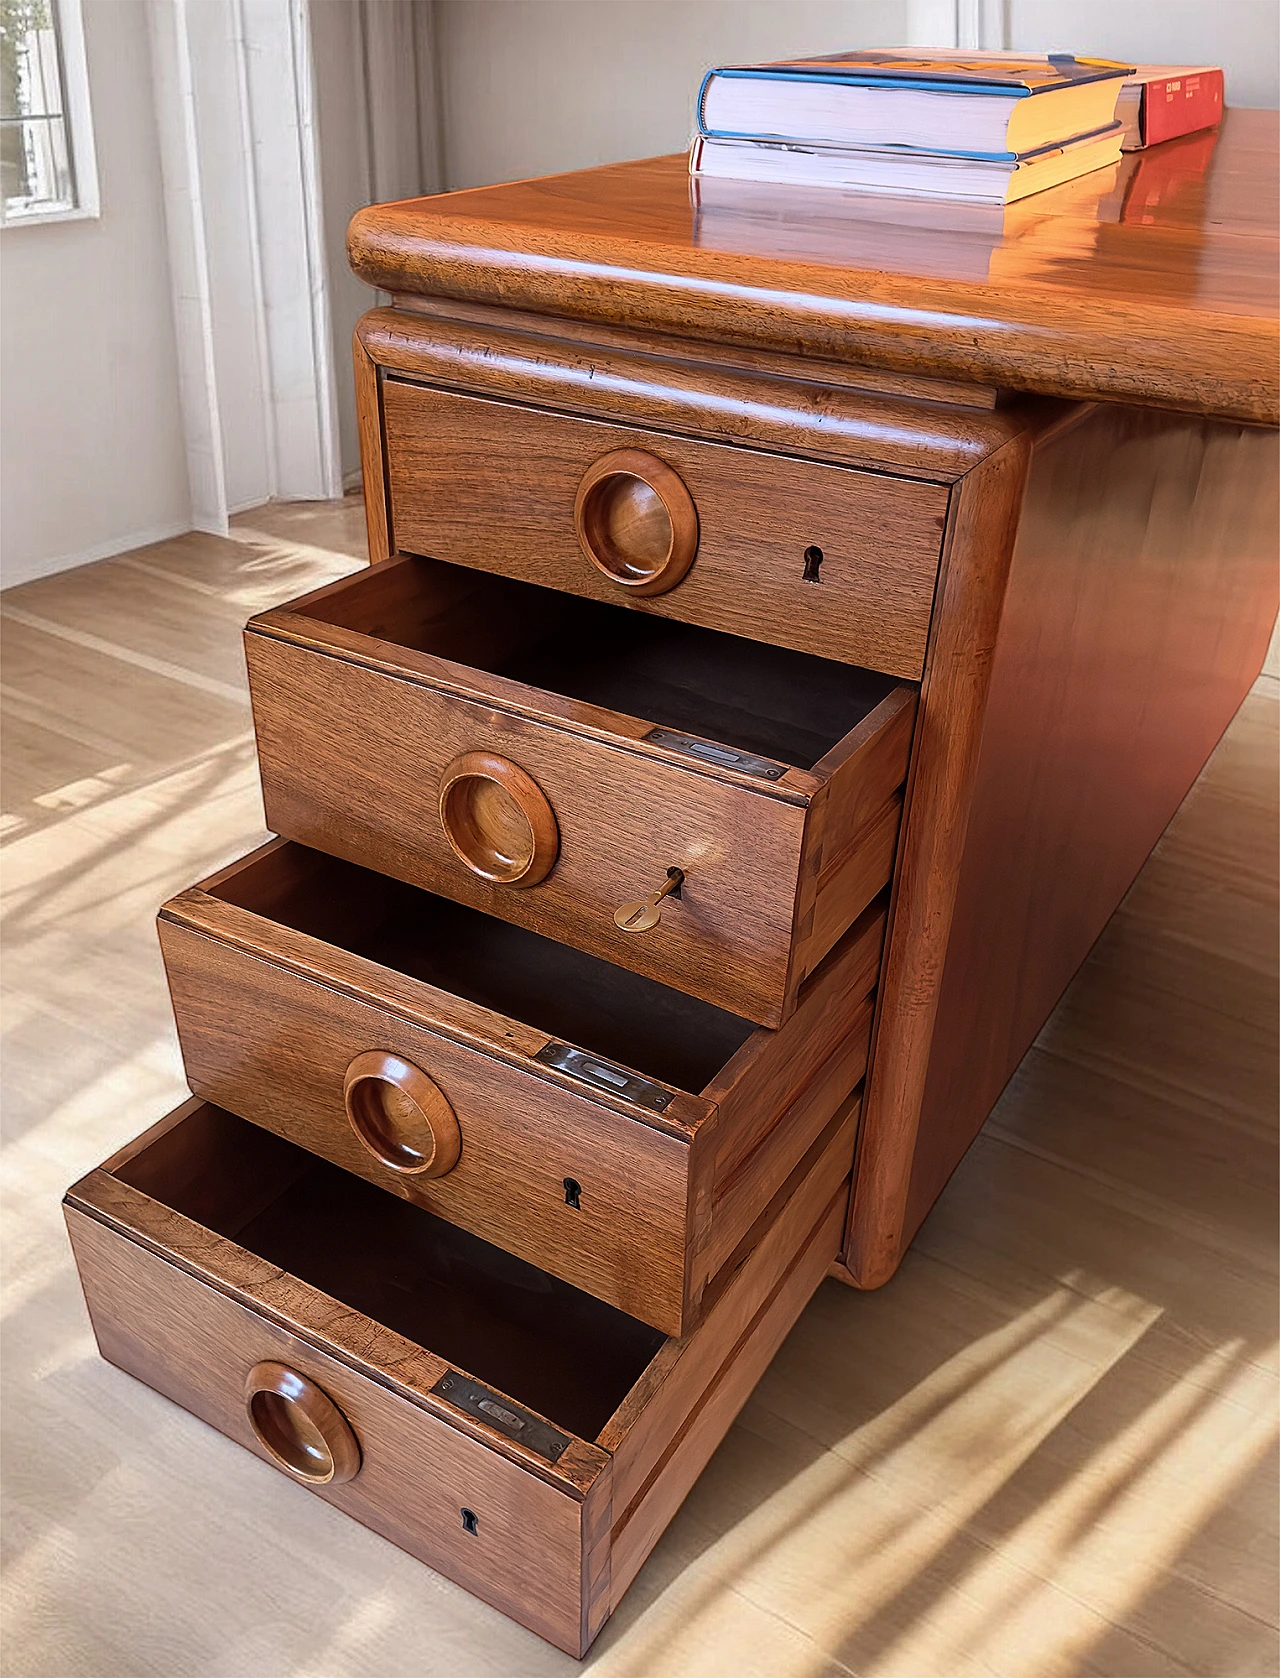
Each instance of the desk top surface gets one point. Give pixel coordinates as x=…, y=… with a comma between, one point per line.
x=1154, y=280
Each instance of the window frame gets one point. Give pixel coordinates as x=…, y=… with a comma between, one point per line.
x=78, y=115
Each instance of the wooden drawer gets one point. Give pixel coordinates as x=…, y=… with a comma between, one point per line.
x=601, y=1126
x=721, y=536
x=517, y=1435
x=402, y=724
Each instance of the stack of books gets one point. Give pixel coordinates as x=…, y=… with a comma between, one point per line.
x=992, y=127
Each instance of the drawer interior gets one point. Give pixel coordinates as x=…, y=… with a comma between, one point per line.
x=788, y=706
x=565, y=992
x=563, y=1353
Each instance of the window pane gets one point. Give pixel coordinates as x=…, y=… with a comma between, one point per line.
x=36, y=175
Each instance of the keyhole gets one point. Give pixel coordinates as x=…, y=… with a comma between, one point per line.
x=812, y=563
x=573, y=1193
x=470, y=1523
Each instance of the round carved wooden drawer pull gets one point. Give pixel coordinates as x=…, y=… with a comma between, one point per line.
x=636, y=521
x=299, y=1426
x=401, y=1115
x=498, y=819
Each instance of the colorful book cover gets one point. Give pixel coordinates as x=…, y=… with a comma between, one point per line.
x=1178, y=100
x=1005, y=74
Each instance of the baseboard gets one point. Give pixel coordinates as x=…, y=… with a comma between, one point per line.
x=12, y=574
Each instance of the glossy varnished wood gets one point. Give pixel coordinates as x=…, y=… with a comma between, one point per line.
x=1095, y=289
x=939, y=793
x=356, y=723
x=202, y=1318
x=782, y=403
x=485, y=484
x=1140, y=600
x=447, y=313
x=273, y=1020
x=373, y=456
x=636, y=521
x=1093, y=639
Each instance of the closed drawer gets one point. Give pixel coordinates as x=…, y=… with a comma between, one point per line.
x=823, y=558
x=517, y=1435
x=550, y=760
x=607, y=1129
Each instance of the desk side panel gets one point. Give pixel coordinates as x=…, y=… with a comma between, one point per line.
x=1139, y=606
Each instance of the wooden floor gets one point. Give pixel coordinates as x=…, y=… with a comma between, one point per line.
x=1046, y=1448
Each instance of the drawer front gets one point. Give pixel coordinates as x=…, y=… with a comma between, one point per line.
x=416, y=1474
x=275, y=1048
x=352, y=759
x=461, y=1114
x=825, y=559
x=547, y=1526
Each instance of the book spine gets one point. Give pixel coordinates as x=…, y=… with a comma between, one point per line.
x=1178, y=105
x=701, y=106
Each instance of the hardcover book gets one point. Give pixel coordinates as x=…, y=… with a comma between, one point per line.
x=1164, y=101
x=901, y=172
x=993, y=105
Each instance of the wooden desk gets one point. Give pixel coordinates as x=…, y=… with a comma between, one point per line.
x=1108, y=583
x=790, y=632
x=1152, y=281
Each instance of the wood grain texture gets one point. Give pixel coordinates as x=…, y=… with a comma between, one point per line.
x=229, y=1196
x=1145, y=567
x=627, y=810
x=373, y=454
x=195, y=1344
x=666, y=1428
x=636, y=521
x=1140, y=602
x=273, y=1046
x=485, y=484
x=844, y=884
x=939, y=794
x=299, y=1426
x=271, y=1021
x=609, y=373
x=497, y=819
x=623, y=821
x=757, y=1176
x=195, y=1316
x=613, y=335
x=711, y=1419
x=400, y=1115
x=1171, y=304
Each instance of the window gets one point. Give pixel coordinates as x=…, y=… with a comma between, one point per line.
x=47, y=168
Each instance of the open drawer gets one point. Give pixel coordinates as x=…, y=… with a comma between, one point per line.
x=514, y=1433
x=484, y=738
x=605, y=1128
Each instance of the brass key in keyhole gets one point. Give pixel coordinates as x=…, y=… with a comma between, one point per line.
x=644, y=914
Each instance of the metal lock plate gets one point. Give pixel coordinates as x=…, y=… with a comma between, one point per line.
x=604, y=1075
x=500, y=1413
x=721, y=757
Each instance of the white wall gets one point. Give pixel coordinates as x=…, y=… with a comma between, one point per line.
x=530, y=87
x=91, y=456
x=1241, y=35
